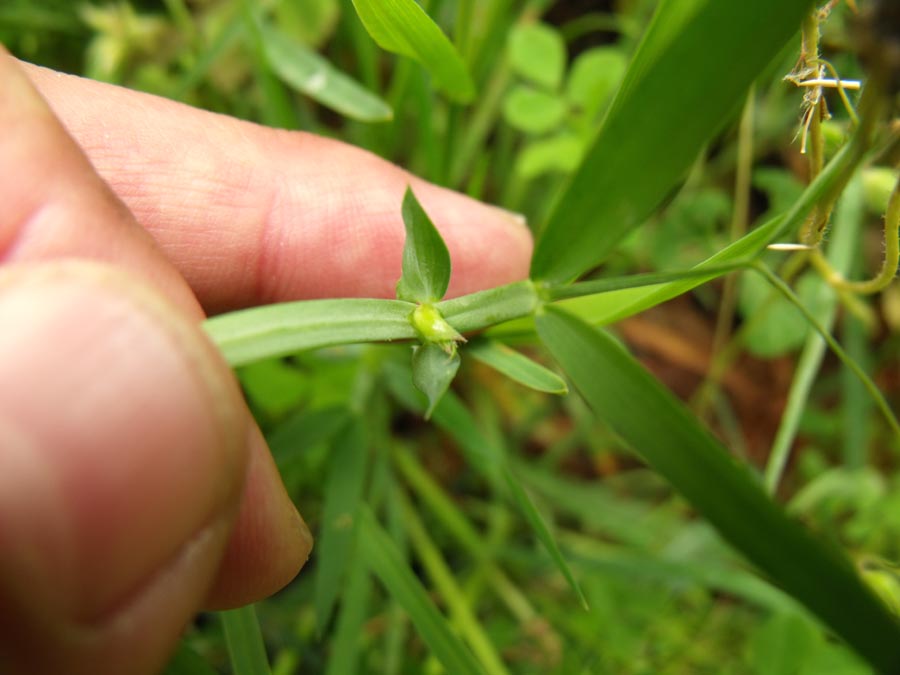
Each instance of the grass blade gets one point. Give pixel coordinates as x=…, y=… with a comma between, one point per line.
x=402, y=27
x=490, y=460
x=387, y=564
x=433, y=369
x=534, y=518
x=462, y=614
x=847, y=221
x=309, y=73
x=517, y=366
x=345, y=646
x=278, y=330
x=244, y=641
x=671, y=440
x=611, y=307
x=343, y=494
x=688, y=76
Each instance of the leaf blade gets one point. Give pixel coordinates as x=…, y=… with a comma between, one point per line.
x=433, y=370
x=343, y=495
x=244, y=641
x=388, y=565
x=639, y=154
x=676, y=446
x=402, y=27
x=426, y=260
x=311, y=74
x=517, y=366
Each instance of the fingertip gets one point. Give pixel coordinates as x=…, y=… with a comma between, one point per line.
x=270, y=541
x=122, y=455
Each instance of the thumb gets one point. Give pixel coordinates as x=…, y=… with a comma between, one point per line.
x=122, y=451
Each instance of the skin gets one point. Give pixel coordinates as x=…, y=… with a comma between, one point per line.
x=135, y=488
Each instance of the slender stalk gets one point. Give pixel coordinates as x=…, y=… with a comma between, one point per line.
x=739, y=221
x=462, y=615
x=891, y=255
x=807, y=369
x=870, y=386
x=595, y=286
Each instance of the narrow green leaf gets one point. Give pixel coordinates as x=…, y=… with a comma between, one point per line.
x=343, y=494
x=489, y=459
x=608, y=308
x=402, y=27
x=537, y=52
x=388, y=565
x=433, y=369
x=426, y=261
x=278, y=330
x=347, y=640
x=534, y=518
x=688, y=76
x=517, y=367
x=308, y=72
x=243, y=638
x=672, y=442
x=462, y=614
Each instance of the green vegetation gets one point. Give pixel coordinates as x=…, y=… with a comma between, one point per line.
x=751, y=527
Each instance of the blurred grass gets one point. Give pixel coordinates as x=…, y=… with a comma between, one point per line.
x=664, y=594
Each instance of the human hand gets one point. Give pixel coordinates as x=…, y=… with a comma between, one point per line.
x=134, y=486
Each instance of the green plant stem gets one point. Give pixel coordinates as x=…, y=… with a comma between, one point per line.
x=870, y=386
x=244, y=641
x=891, y=255
x=848, y=220
x=486, y=308
x=463, y=30
x=739, y=220
x=439, y=572
x=593, y=287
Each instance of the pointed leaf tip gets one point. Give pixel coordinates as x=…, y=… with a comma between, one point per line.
x=434, y=367
x=426, y=260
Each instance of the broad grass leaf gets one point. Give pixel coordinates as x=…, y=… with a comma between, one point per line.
x=389, y=566
x=605, y=308
x=426, y=261
x=313, y=75
x=537, y=53
x=517, y=366
x=343, y=494
x=243, y=638
x=286, y=328
x=402, y=27
x=683, y=85
x=673, y=443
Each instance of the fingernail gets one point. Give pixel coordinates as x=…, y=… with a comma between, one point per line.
x=517, y=218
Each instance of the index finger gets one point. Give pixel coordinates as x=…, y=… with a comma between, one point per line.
x=252, y=215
